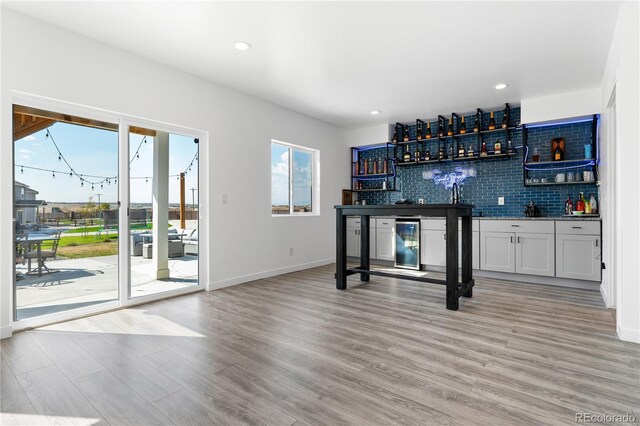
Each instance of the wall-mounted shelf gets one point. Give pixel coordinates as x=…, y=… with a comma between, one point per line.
x=363, y=182
x=538, y=167
x=373, y=190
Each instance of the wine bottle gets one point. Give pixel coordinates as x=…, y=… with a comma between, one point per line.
x=492, y=122
x=407, y=154
x=461, y=152
x=580, y=203
x=476, y=124
x=463, y=126
x=483, y=150
x=510, y=148
x=568, y=205
x=558, y=153
x=450, y=127
x=356, y=165
x=406, y=134
x=366, y=166
x=419, y=130
x=440, y=129
x=427, y=155
x=375, y=167
x=428, y=131
x=395, y=136
x=441, y=153
x=470, y=152
x=416, y=154
x=497, y=147
x=385, y=166
x=505, y=119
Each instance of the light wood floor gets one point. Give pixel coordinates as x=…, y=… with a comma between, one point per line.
x=294, y=350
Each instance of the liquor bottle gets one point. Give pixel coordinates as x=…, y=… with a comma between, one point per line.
x=492, y=122
x=450, y=151
x=568, y=205
x=497, y=147
x=384, y=184
x=510, y=148
x=470, y=152
x=375, y=167
x=461, y=152
x=476, y=124
x=440, y=129
x=580, y=203
x=356, y=165
x=366, y=166
x=407, y=155
x=483, y=150
x=395, y=136
x=419, y=130
x=558, y=153
x=505, y=120
x=416, y=154
x=594, y=204
x=463, y=126
x=385, y=166
x=406, y=134
x=441, y=154
x=587, y=207
x=428, y=131
x=427, y=155
x=450, y=127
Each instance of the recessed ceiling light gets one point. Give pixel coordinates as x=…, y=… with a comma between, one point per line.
x=501, y=86
x=242, y=45
x=375, y=112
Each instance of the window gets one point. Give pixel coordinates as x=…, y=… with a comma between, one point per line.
x=293, y=179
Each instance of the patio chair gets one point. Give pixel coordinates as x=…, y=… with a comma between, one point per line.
x=48, y=250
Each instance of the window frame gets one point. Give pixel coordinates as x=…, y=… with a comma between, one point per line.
x=315, y=179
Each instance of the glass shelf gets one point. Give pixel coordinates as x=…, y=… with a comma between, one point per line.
x=372, y=176
x=582, y=162
x=581, y=182
x=373, y=190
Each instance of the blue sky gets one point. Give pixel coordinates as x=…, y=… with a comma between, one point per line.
x=302, y=176
x=95, y=152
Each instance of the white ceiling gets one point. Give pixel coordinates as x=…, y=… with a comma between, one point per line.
x=337, y=61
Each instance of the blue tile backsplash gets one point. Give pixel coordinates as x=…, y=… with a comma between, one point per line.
x=483, y=181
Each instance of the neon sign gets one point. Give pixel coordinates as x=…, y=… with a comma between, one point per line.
x=459, y=175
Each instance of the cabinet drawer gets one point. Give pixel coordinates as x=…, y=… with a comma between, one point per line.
x=578, y=227
x=440, y=224
x=385, y=223
x=530, y=226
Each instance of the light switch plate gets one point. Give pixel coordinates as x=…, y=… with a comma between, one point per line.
x=501, y=201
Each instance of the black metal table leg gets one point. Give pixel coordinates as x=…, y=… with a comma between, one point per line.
x=452, y=260
x=341, y=250
x=467, y=253
x=364, y=246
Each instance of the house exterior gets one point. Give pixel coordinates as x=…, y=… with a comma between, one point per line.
x=25, y=204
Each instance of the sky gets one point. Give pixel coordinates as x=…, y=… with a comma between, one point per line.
x=302, y=176
x=93, y=151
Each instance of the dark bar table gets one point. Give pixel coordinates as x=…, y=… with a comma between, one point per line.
x=451, y=212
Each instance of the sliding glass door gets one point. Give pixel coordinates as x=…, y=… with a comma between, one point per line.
x=65, y=212
x=163, y=212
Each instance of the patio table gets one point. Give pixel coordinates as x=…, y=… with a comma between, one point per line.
x=37, y=240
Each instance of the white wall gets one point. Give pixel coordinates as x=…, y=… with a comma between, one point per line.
x=561, y=105
x=246, y=242
x=622, y=207
x=371, y=135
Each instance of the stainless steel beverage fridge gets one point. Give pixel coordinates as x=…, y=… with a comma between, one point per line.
x=408, y=244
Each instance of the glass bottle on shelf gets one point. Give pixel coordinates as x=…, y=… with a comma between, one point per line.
x=416, y=155
x=395, y=136
x=428, y=131
x=427, y=155
x=463, y=126
x=594, y=204
x=451, y=151
x=587, y=207
x=483, y=150
x=356, y=168
x=470, y=152
x=450, y=127
x=505, y=119
x=510, y=149
x=419, y=130
x=558, y=153
x=366, y=166
x=441, y=153
x=536, y=155
x=405, y=138
x=568, y=205
x=407, y=154
x=385, y=166
x=375, y=167
x=580, y=203
x=440, y=129
x=492, y=122
x=476, y=124
x=497, y=147
x=461, y=152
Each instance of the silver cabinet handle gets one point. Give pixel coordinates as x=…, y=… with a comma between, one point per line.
x=511, y=239
x=596, y=242
x=518, y=240
x=515, y=226
x=444, y=236
x=577, y=227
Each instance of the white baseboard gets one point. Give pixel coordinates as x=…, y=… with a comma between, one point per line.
x=216, y=285
x=628, y=335
x=5, y=332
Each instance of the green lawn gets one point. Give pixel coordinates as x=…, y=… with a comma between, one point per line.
x=99, y=228
x=89, y=246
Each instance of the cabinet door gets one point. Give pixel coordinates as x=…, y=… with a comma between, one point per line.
x=433, y=248
x=535, y=254
x=497, y=251
x=578, y=257
x=476, y=250
x=353, y=242
x=386, y=244
x=373, y=238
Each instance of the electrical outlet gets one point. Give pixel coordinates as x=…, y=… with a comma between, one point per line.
x=420, y=200
x=501, y=201
x=290, y=251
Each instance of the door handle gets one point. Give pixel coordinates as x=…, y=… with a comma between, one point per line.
x=511, y=239
x=596, y=242
x=515, y=226
x=444, y=236
x=518, y=240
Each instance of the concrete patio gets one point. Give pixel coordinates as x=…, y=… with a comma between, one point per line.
x=82, y=282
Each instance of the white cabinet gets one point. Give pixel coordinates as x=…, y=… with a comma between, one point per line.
x=353, y=237
x=385, y=239
x=433, y=247
x=497, y=252
x=578, y=256
x=518, y=246
x=535, y=254
x=475, y=258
